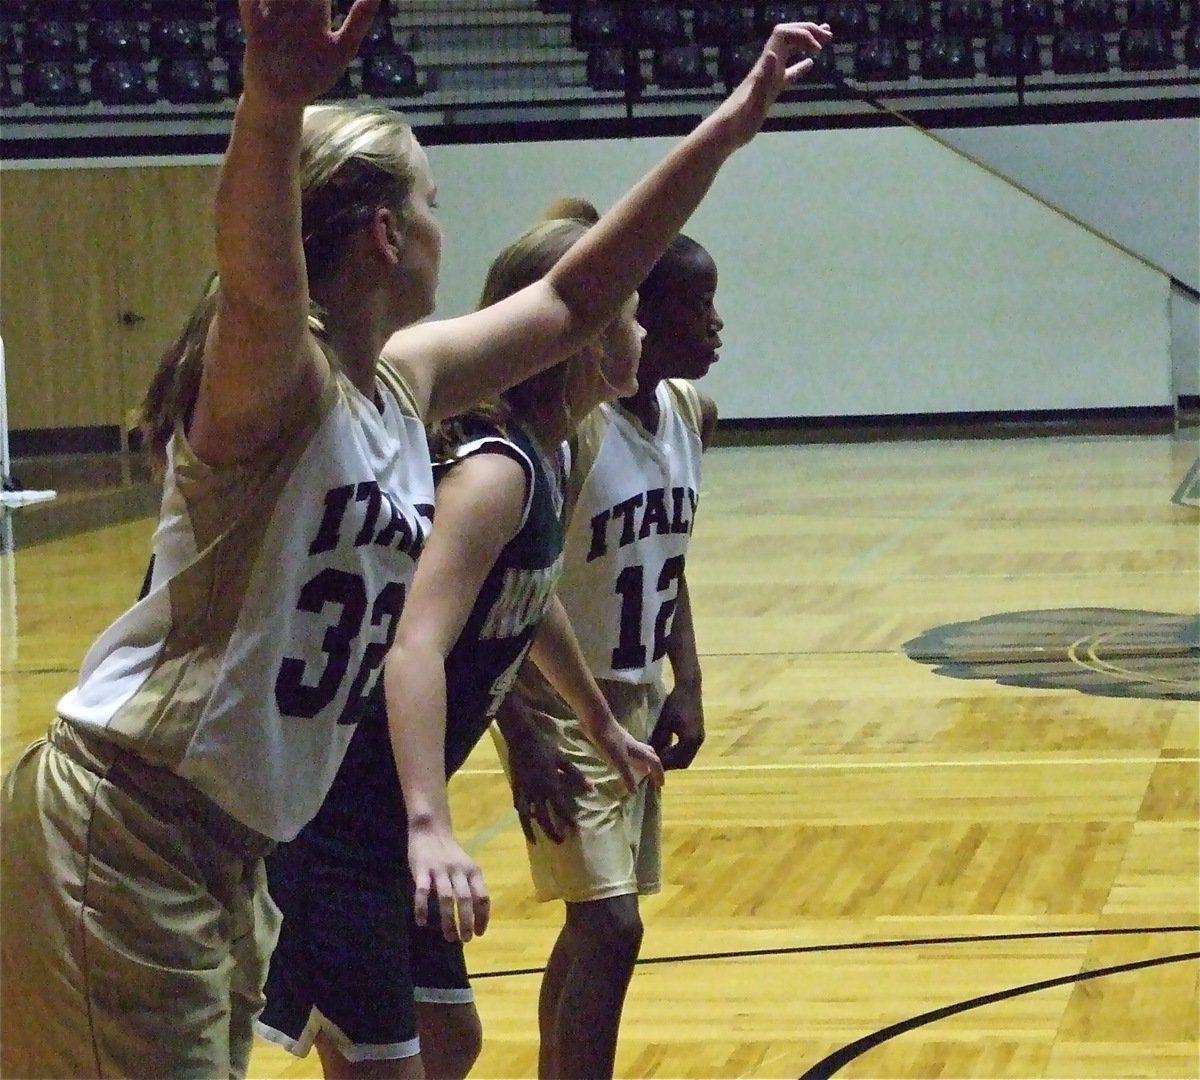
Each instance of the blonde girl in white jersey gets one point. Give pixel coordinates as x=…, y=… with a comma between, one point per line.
x=210, y=718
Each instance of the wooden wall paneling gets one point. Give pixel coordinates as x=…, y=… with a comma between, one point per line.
x=60, y=234
x=167, y=256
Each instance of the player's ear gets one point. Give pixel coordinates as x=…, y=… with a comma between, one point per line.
x=386, y=235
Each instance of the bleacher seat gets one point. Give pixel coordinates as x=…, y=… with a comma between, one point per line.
x=229, y=36
x=115, y=39
x=9, y=49
x=391, y=73
x=720, y=24
x=735, y=61
x=1080, y=52
x=1090, y=15
x=8, y=92
x=119, y=9
x=187, y=80
x=1030, y=16
x=180, y=9
x=178, y=37
x=848, y=19
x=681, y=67
x=121, y=81
x=1164, y=13
x=967, y=16
x=1003, y=59
x=774, y=14
x=51, y=39
x=881, y=58
x=1191, y=41
x=380, y=38
x=1145, y=48
x=596, y=26
x=904, y=18
x=52, y=82
x=654, y=26
x=947, y=56
x=606, y=71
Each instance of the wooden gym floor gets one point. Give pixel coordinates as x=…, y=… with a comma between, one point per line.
x=946, y=820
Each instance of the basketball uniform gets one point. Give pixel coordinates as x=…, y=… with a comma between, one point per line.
x=351, y=959
x=632, y=497
x=208, y=722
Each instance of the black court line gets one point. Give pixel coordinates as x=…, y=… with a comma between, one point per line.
x=890, y=943
x=825, y=1068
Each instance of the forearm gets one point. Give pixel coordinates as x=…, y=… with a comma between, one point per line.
x=681, y=644
x=559, y=658
x=260, y=257
x=616, y=254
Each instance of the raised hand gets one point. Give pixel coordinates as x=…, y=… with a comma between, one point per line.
x=293, y=55
x=786, y=57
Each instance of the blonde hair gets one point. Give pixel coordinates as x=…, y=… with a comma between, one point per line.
x=526, y=260
x=353, y=160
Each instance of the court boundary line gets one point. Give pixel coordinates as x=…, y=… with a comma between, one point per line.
x=883, y=943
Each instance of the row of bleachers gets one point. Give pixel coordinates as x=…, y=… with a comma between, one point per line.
x=183, y=81
x=939, y=56
x=454, y=60
x=664, y=25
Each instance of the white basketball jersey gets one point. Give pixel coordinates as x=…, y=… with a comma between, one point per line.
x=632, y=498
x=277, y=586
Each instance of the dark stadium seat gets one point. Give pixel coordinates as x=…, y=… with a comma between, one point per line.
x=177, y=37
x=391, y=73
x=848, y=19
x=380, y=38
x=1146, y=48
x=720, y=24
x=1164, y=13
x=681, y=67
x=1003, y=59
x=606, y=71
x=947, y=56
x=115, y=39
x=735, y=61
x=1090, y=15
x=51, y=39
x=8, y=92
x=654, y=26
x=904, y=18
x=52, y=82
x=881, y=58
x=187, y=80
x=596, y=25
x=229, y=36
x=967, y=16
x=1080, y=52
x=121, y=81
x=1030, y=16
x=1191, y=42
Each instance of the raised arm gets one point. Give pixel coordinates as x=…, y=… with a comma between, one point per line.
x=457, y=362
x=261, y=360
x=479, y=507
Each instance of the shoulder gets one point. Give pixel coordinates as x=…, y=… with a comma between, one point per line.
x=698, y=410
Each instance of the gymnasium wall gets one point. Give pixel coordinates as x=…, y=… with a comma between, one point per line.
x=869, y=272
x=864, y=272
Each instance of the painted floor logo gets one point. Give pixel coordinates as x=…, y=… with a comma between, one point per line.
x=1109, y=652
